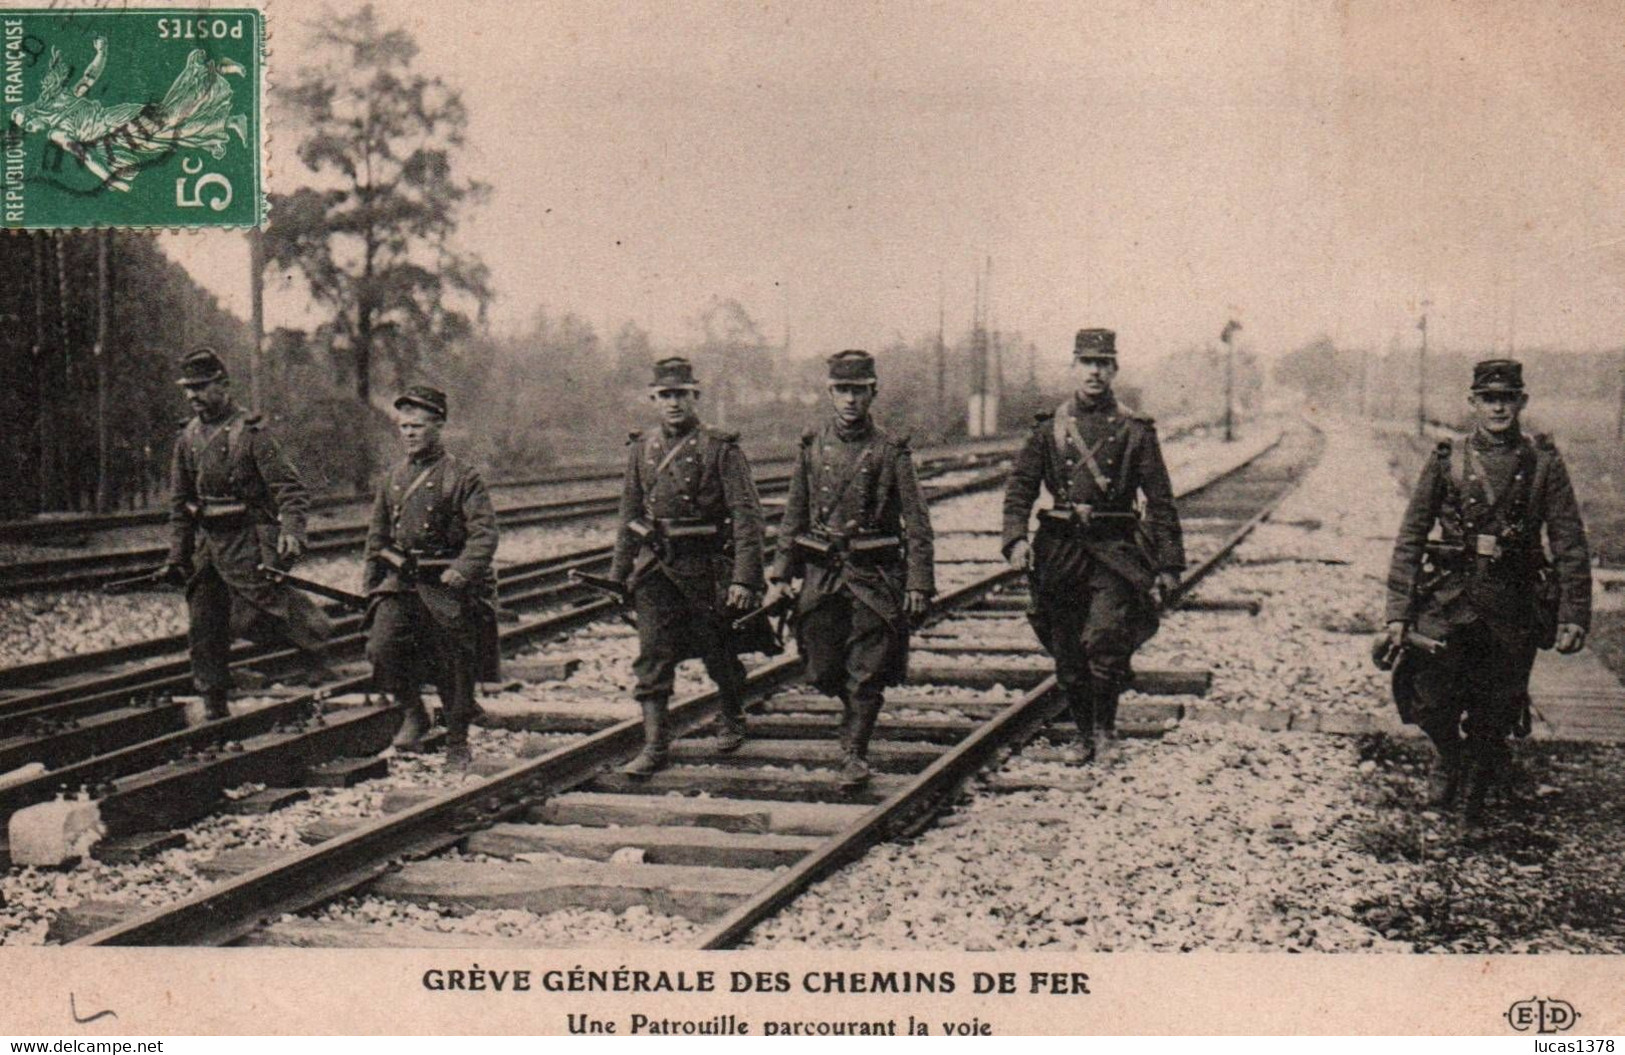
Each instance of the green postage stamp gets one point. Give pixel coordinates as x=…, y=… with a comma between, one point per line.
x=145, y=117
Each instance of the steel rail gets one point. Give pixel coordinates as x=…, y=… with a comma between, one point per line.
x=231, y=909
x=235, y=907
x=100, y=768
x=530, y=583
x=50, y=526
x=942, y=779
x=93, y=569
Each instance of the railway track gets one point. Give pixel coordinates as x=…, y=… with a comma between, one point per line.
x=95, y=569
x=98, y=721
x=154, y=665
x=725, y=840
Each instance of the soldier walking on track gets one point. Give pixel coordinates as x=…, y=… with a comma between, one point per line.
x=1098, y=570
x=689, y=554
x=427, y=573
x=236, y=503
x=1486, y=589
x=858, y=534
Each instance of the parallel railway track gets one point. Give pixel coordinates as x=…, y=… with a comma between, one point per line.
x=99, y=720
x=774, y=803
x=95, y=569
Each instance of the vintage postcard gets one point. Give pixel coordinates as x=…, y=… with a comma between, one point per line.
x=811, y=519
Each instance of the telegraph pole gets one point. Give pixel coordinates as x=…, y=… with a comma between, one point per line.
x=256, y=311
x=103, y=351
x=1230, y=330
x=1619, y=424
x=1422, y=373
x=942, y=355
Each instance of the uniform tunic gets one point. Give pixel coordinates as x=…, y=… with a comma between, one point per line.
x=436, y=507
x=695, y=475
x=237, y=459
x=849, y=618
x=1485, y=608
x=1091, y=603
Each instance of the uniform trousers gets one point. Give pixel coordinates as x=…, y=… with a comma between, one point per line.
x=407, y=646
x=1477, y=685
x=1091, y=634
x=672, y=628
x=849, y=648
x=215, y=617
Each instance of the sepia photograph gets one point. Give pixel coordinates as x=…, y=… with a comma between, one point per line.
x=830, y=518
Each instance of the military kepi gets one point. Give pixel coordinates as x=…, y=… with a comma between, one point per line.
x=430, y=399
x=852, y=367
x=1498, y=375
x=1095, y=344
x=674, y=373
x=201, y=367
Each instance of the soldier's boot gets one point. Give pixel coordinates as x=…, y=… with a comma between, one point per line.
x=730, y=724
x=1080, y=701
x=458, y=754
x=855, y=745
x=215, y=706
x=656, y=741
x=317, y=670
x=1480, y=766
x=1444, y=783
x=1105, y=692
x=1515, y=785
x=415, y=726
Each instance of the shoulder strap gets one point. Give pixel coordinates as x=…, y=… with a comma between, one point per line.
x=1066, y=428
x=852, y=472
x=234, y=437
x=671, y=454
x=418, y=482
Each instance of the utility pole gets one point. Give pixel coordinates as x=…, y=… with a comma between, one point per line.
x=1422, y=373
x=256, y=312
x=1228, y=337
x=978, y=365
x=103, y=351
x=942, y=355
x=47, y=389
x=1619, y=424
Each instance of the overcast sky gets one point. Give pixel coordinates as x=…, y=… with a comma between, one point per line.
x=1153, y=167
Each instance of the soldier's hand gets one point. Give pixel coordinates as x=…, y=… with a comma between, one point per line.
x=1020, y=555
x=1396, y=634
x=1571, y=637
x=742, y=598
x=171, y=573
x=453, y=578
x=290, y=547
x=916, y=603
x=1167, y=586
x=779, y=588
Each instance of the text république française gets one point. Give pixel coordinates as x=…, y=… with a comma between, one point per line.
x=477, y=979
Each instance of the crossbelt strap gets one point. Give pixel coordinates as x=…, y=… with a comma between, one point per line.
x=851, y=474
x=412, y=490
x=1066, y=428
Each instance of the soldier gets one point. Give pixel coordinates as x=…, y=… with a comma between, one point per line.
x=858, y=533
x=236, y=502
x=1487, y=589
x=427, y=572
x=689, y=553
x=1098, y=572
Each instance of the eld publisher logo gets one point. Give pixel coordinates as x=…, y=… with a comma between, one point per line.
x=1542, y=1016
